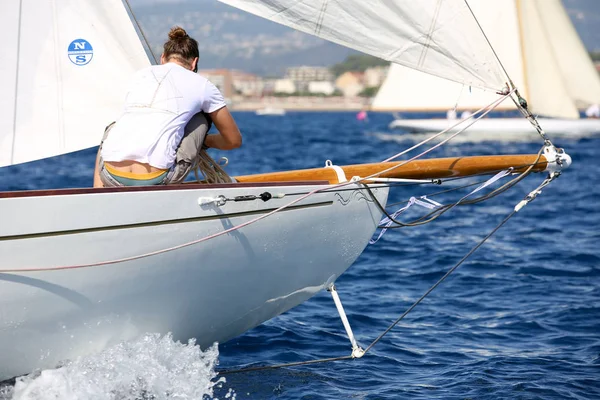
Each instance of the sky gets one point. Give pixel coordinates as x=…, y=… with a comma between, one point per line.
x=585, y=15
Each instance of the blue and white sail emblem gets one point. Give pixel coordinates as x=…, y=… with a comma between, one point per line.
x=80, y=52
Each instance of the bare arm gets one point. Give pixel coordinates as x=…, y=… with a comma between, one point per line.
x=229, y=136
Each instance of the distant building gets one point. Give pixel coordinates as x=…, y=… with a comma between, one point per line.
x=221, y=78
x=321, y=87
x=597, y=64
x=350, y=83
x=308, y=74
x=269, y=86
x=302, y=76
x=375, y=76
x=284, y=86
x=249, y=85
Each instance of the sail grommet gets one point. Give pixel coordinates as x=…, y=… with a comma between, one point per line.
x=341, y=175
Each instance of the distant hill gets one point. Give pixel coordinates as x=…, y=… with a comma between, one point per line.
x=230, y=38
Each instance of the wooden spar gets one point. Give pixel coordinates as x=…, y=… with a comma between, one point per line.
x=418, y=169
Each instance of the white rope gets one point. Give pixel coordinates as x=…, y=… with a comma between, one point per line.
x=430, y=204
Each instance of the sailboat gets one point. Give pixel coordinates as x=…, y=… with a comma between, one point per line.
x=82, y=269
x=268, y=110
x=542, y=52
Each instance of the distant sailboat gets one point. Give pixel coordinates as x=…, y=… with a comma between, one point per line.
x=541, y=51
x=270, y=111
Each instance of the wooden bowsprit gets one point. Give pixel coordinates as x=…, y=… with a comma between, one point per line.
x=452, y=167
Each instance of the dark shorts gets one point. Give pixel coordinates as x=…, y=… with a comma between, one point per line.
x=186, y=159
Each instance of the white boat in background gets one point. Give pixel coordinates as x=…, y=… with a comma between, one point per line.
x=81, y=269
x=540, y=50
x=270, y=111
x=507, y=126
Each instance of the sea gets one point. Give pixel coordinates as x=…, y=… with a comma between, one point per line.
x=519, y=319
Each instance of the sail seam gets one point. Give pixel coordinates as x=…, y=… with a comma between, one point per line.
x=59, y=84
x=139, y=26
x=321, y=18
x=428, y=38
x=14, y=135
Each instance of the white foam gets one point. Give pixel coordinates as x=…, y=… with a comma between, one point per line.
x=151, y=367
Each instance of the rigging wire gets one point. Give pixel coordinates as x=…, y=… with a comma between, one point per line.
x=139, y=26
x=521, y=103
x=529, y=198
x=489, y=43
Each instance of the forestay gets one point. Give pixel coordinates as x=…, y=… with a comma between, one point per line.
x=64, y=74
x=439, y=37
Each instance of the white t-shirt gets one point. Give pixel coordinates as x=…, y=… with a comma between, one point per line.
x=160, y=102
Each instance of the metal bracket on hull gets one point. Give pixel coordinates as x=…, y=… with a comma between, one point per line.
x=217, y=201
x=357, y=351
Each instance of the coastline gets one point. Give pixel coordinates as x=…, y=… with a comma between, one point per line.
x=301, y=103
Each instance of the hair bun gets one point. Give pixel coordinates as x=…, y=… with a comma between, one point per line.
x=177, y=33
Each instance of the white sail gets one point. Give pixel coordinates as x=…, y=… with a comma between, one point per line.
x=537, y=44
x=439, y=37
x=64, y=74
x=409, y=90
x=547, y=91
x=579, y=74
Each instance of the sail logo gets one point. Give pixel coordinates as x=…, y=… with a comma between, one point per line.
x=80, y=52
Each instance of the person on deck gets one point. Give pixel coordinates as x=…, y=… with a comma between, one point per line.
x=451, y=114
x=465, y=114
x=168, y=111
x=593, y=111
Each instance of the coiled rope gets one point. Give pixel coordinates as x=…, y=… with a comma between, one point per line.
x=212, y=170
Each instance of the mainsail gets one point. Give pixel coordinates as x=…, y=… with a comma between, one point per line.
x=539, y=48
x=438, y=37
x=64, y=74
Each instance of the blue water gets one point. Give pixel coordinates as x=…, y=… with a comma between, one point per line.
x=519, y=319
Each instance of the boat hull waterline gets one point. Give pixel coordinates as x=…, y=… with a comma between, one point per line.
x=212, y=290
x=555, y=127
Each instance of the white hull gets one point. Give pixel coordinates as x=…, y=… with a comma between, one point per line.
x=270, y=111
x=212, y=291
x=561, y=127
